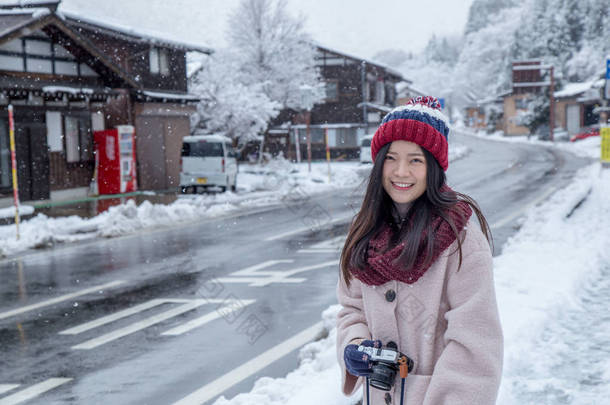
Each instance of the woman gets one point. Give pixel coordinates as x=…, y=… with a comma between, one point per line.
x=416, y=272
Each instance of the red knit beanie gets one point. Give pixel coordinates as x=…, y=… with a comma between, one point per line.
x=419, y=121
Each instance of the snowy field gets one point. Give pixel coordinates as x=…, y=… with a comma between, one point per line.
x=258, y=186
x=552, y=282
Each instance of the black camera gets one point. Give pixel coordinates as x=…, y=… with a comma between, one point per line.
x=385, y=363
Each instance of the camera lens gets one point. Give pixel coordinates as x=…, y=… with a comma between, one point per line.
x=382, y=377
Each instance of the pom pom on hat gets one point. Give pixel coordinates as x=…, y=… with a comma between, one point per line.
x=419, y=121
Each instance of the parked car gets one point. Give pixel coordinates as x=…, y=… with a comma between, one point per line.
x=365, y=149
x=208, y=161
x=586, y=132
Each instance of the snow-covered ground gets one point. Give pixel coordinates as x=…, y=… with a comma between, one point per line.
x=258, y=186
x=553, y=288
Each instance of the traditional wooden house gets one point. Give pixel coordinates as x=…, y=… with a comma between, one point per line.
x=527, y=82
x=575, y=104
x=359, y=93
x=69, y=75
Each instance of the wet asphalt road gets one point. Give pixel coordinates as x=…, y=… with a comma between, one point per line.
x=170, y=278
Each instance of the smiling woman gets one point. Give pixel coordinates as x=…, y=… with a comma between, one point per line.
x=416, y=275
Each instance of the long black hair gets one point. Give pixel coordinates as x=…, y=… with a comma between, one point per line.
x=378, y=209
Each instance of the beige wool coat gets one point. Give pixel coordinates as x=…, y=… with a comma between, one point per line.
x=447, y=322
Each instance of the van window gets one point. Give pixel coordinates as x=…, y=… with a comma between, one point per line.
x=366, y=142
x=202, y=149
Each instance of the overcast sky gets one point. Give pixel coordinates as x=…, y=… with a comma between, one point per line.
x=360, y=27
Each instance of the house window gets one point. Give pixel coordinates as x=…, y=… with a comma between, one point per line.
x=40, y=55
x=79, y=143
x=521, y=103
x=332, y=90
x=379, y=92
x=159, y=62
x=54, y=135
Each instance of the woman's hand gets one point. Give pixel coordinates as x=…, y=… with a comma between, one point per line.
x=357, y=363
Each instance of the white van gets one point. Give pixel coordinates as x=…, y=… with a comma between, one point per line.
x=208, y=161
x=365, y=149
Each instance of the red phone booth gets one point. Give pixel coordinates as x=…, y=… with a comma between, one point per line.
x=115, y=160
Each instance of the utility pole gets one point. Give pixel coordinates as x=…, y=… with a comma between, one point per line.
x=552, y=106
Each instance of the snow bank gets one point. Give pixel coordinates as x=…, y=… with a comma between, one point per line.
x=539, y=271
x=315, y=381
x=258, y=186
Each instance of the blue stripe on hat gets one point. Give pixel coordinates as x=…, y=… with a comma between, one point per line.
x=408, y=114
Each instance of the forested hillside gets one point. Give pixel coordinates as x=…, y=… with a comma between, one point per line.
x=573, y=35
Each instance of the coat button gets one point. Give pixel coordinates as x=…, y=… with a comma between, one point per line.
x=390, y=295
x=388, y=398
x=392, y=345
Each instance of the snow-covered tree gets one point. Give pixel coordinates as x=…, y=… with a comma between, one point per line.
x=274, y=51
x=239, y=110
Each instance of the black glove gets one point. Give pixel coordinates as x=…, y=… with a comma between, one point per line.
x=357, y=363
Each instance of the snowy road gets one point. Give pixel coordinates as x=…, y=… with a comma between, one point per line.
x=154, y=317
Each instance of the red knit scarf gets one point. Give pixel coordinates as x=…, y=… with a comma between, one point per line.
x=381, y=258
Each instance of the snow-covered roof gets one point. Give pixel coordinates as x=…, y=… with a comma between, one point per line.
x=573, y=89
x=352, y=56
x=212, y=137
x=170, y=96
x=403, y=86
x=380, y=107
x=67, y=89
x=145, y=35
x=576, y=89
x=27, y=3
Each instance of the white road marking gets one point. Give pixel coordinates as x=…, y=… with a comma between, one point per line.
x=523, y=210
x=304, y=229
x=59, y=299
x=33, y=391
x=251, y=367
x=7, y=387
x=119, y=315
x=137, y=326
x=255, y=270
x=195, y=323
x=263, y=278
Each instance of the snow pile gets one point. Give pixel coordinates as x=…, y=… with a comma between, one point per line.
x=258, y=186
x=539, y=274
x=9, y=212
x=540, y=271
x=588, y=147
x=315, y=381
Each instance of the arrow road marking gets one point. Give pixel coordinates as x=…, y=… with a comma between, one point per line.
x=60, y=299
x=253, y=366
x=259, y=278
x=33, y=391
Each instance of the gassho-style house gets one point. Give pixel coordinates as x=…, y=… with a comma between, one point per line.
x=67, y=76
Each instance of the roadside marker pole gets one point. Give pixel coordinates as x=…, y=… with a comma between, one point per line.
x=11, y=131
x=605, y=152
x=327, y=152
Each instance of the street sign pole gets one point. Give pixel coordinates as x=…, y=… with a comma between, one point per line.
x=11, y=132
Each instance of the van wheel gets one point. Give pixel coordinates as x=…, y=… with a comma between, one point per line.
x=223, y=189
x=183, y=190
